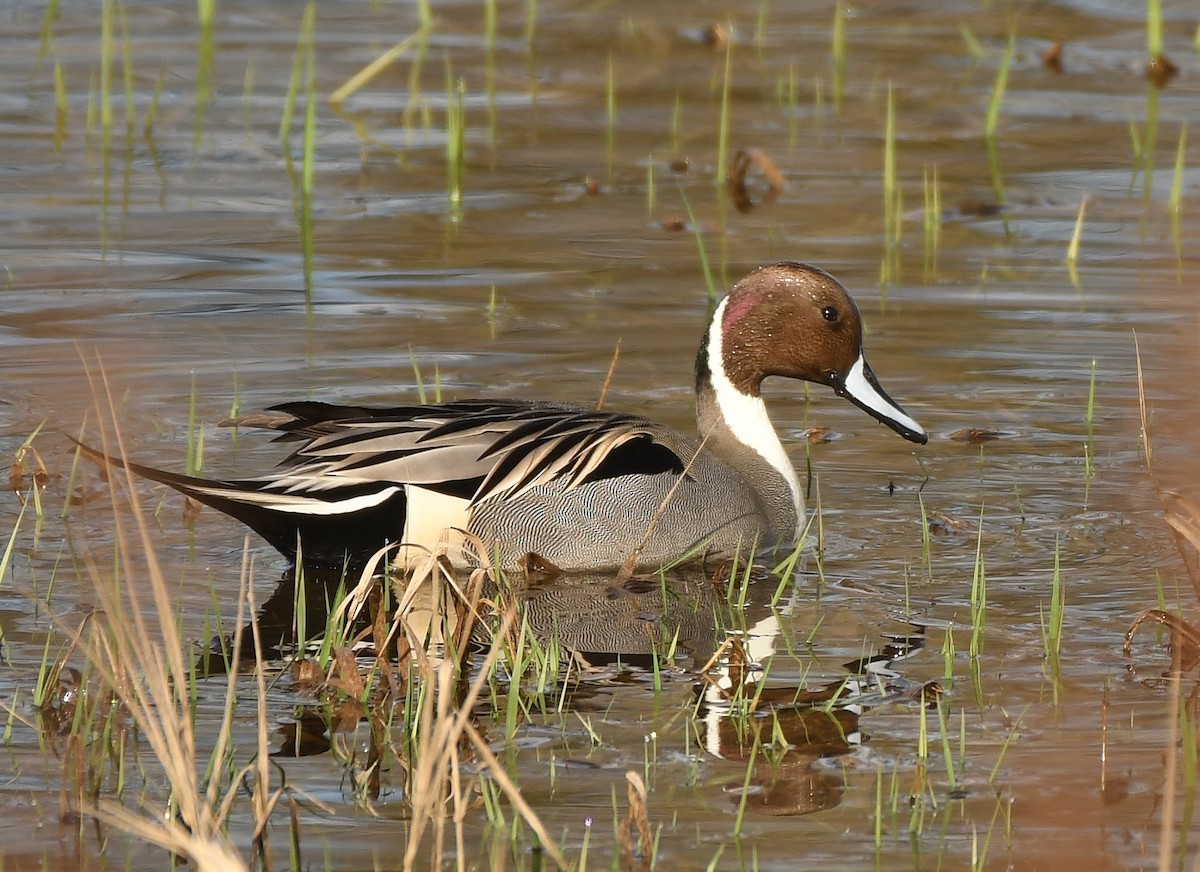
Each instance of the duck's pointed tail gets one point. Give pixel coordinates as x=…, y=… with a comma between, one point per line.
x=333, y=528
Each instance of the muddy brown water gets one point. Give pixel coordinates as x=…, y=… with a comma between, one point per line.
x=180, y=266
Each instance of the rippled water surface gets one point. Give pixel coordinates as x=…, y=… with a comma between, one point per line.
x=158, y=229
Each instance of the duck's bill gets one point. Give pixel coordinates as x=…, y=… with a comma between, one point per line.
x=860, y=387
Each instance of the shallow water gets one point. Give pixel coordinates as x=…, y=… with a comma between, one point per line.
x=180, y=266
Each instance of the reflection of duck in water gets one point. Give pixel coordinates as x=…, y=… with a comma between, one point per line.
x=816, y=724
x=600, y=624
x=582, y=489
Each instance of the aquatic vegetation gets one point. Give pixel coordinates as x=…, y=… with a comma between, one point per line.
x=181, y=254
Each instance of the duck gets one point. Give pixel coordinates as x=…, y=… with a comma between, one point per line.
x=559, y=485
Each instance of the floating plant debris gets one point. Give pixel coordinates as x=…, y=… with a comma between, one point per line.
x=739, y=169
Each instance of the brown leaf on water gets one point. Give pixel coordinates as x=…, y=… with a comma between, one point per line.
x=591, y=186
x=715, y=36
x=307, y=676
x=1160, y=70
x=345, y=716
x=1183, y=517
x=538, y=569
x=191, y=509
x=976, y=435
x=16, y=479
x=1184, y=643
x=636, y=856
x=345, y=675
x=681, y=166
x=674, y=224
x=979, y=208
x=1052, y=57
x=941, y=524
x=739, y=169
x=734, y=652
x=258, y=421
x=27, y=464
x=820, y=435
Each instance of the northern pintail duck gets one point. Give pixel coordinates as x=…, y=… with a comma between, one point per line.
x=580, y=488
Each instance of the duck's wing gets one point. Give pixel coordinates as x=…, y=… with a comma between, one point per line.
x=478, y=450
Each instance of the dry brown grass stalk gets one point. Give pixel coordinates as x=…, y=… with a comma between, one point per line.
x=437, y=792
x=1185, y=528
x=136, y=652
x=636, y=855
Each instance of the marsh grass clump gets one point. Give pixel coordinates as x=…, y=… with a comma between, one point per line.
x=126, y=723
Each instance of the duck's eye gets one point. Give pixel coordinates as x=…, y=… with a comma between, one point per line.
x=829, y=313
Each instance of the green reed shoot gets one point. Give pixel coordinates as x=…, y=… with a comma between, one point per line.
x=248, y=79
x=293, y=91
x=978, y=599
x=785, y=571
x=974, y=49
x=127, y=76
x=489, y=66
x=1189, y=764
x=750, y=764
x=1073, y=246
x=787, y=94
x=205, y=54
x=106, y=115
x=610, y=115
x=1052, y=625
x=303, y=75
x=46, y=37
x=491, y=313
x=375, y=67
x=651, y=192
x=1154, y=32
x=948, y=651
x=417, y=380
x=926, y=536
x=723, y=124
x=530, y=24
x=455, y=142
x=916, y=796
x=1176, y=200
x=194, y=460
x=676, y=123
x=931, y=218
x=998, y=89
x=993, y=118
x=1013, y=735
x=878, y=813
x=1089, y=449
x=893, y=220
x=947, y=751
x=60, y=107
x=1149, y=142
x=838, y=54
x=709, y=281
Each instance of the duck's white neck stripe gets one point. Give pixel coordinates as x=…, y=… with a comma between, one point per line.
x=746, y=416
